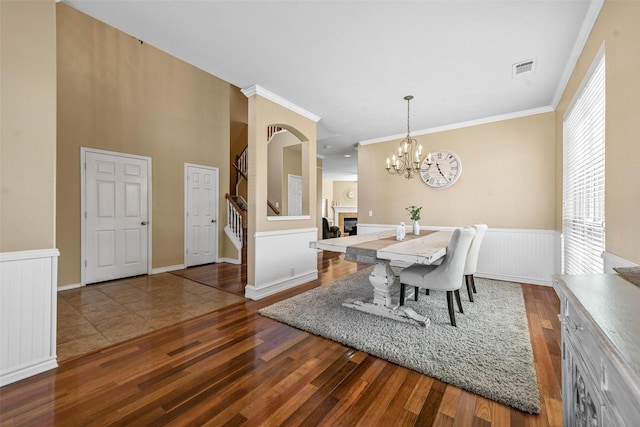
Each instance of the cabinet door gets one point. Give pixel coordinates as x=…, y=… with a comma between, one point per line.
x=583, y=404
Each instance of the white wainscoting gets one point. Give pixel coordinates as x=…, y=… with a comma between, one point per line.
x=28, y=298
x=283, y=260
x=518, y=255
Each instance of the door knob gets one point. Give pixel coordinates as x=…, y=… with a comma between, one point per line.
x=143, y=223
x=213, y=220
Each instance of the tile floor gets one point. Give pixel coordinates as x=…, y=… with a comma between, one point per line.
x=99, y=315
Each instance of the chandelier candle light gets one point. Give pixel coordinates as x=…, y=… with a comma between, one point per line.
x=407, y=162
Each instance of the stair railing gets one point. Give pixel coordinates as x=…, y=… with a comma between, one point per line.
x=236, y=221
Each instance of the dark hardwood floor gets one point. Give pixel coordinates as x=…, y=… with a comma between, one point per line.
x=225, y=277
x=235, y=367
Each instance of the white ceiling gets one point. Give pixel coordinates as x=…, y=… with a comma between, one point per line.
x=352, y=62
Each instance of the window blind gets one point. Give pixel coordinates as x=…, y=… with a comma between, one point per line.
x=583, y=225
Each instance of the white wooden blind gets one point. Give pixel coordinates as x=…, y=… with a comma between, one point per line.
x=583, y=225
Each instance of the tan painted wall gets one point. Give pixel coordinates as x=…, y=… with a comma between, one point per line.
x=27, y=125
x=238, y=135
x=319, y=166
x=617, y=26
x=264, y=113
x=327, y=190
x=120, y=95
x=507, y=178
x=341, y=190
x=282, y=160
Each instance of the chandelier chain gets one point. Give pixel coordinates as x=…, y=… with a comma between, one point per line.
x=407, y=163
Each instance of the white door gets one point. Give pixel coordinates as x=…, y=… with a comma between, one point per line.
x=295, y=195
x=201, y=215
x=116, y=202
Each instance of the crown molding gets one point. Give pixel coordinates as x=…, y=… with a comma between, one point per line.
x=461, y=125
x=587, y=25
x=260, y=91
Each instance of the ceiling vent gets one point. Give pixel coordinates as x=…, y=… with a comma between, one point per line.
x=524, y=68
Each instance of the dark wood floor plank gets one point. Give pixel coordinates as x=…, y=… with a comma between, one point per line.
x=432, y=403
x=375, y=409
x=397, y=404
x=235, y=367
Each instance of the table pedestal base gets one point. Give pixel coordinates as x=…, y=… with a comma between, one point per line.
x=402, y=314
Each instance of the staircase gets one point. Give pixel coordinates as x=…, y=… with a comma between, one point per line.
x=236, y=227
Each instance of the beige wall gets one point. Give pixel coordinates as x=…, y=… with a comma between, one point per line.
x=341, y=190
x=282, y=160
x=120, y=95
x=238, y=136
x=617, y=26
x=27, y=125
x=507, y=178
x=262, y=114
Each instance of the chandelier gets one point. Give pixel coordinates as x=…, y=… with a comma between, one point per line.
x=407, y=162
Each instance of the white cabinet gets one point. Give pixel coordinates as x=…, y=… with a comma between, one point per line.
x=600, y=350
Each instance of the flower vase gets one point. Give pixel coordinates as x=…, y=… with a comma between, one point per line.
x=416, y=228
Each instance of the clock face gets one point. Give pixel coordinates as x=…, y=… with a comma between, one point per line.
x=442, y=170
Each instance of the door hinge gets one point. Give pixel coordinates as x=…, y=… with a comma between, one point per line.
x=85, y=263
x=85, y=214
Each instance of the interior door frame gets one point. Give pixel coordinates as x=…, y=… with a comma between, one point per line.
x=216, y=170
x=83, y=206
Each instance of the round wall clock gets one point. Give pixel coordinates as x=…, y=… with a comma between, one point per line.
x=441, y=169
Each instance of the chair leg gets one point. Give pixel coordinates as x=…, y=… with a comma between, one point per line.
x=467, y=279
x=401, y=293
x=415, y=292
x=458, y=300
x=452, y=315
x=473, y=284
x=426, y=291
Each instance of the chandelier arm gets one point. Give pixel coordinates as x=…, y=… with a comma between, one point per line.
x=407, y=162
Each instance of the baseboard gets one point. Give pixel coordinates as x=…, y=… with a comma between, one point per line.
x=515, y=279
x=168, y=269
x=269, y=289
x=230, y=261
x=28, y=371
x=69, y=287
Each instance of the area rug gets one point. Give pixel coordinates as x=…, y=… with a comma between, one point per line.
x=489, y=353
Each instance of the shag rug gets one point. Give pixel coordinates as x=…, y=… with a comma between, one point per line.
x=489, y=353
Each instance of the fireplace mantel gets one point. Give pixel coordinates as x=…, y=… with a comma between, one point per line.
x=340, y=212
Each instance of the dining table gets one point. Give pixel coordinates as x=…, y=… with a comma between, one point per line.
x=382, y=249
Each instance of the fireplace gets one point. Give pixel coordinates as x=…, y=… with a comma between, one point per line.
x=348, y=224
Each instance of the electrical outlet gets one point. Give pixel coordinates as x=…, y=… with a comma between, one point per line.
x=370, y=213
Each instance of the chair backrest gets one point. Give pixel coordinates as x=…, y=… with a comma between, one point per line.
x=325, y=227
x=471, y=266
x=451, y=270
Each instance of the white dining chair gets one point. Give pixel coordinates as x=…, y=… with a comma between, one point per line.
x=471, y=265
x=447, y=276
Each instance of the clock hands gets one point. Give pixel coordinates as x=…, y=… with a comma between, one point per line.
x=439, y=170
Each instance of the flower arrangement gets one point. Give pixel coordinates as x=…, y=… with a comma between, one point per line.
x=414, y=211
